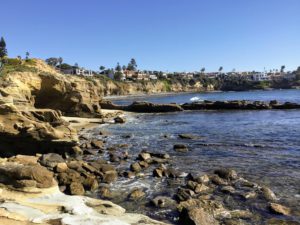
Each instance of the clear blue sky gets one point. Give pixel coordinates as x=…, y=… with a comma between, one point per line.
x=174, y=35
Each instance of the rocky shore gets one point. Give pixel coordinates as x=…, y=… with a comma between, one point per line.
x=148, y=107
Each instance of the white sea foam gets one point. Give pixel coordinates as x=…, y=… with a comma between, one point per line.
x=196, y=99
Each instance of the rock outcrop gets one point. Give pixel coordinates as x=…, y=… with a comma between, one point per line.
x=29, y=131
x=46, y=88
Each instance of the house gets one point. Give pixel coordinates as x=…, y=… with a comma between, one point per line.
x=290, y=76
x=77, y=71
x=260, y=76
x=152, y=77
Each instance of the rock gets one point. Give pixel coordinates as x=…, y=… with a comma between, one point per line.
x=227, y=174
x=144, y=164
x=119, y=120
x=184, y=194
x=249, y=195
x=105, y=193
x=135, y=167
x=201, y=179
x=158, y=172
x=97, y=144
x=228, y=189
x=279, y=209
x=219, y=181
x=24, y=159
x=147, y=107
x=187, y=136
x=197, y=216
x=241, y=214
x=128, y=174
x=136, y=194
x=25, y=183
x=61, y=167
x=200, y=188
x=180, y=148
x=90, y=183
x=110, y=176
x=268, y=194
x=76, y=150
x=37, y=131
x=69, y=176
x=76, y=188
x=144, y=156
x=163, y=202
x=11, y=173
x=51, y=160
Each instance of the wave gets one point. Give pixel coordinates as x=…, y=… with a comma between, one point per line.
x=196, y=99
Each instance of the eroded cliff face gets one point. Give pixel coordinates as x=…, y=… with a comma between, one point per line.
x=46, y=88
x=110, y=87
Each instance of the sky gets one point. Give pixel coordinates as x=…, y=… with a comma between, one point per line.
x=167, y=35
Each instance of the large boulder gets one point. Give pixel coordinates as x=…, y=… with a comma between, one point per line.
x=28, y=131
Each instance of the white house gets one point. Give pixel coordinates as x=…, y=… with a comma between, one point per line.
x=260, y=76
x=83, y=72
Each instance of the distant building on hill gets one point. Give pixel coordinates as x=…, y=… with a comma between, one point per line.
x=78, y=71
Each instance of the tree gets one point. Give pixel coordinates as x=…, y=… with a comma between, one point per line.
x=282, y=69
x=27, y=55
x=132, y=65
x=221, y=69
x=124, y=67
x=76, y=65
x=3, y=50
x=102, y=68
x=202, y=69
x=118, y=68
x=118, y=75
x=52, y=61
x=298, y=73
x=60, y=61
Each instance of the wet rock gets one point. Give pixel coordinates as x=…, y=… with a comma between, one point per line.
x=136, y=194
x=184, y=194
x=119, y=119
x=180, y=148
x=114, y=157
x=128, y=174
x=268, y=194
x=106, y=167
x=227, y=174
x=144, y=156
x=158, y=172
x=105, y=193
x=163, y=202
x=279, y=209
x=61, y=167
x=201, y=179
x=218, y=180
x=200, y=188
x=90, y=183
x=51, y=160
x=135, y=167
x=249, y=195
x=241, y=214
x=76, y=188
x=276, y=221
x=187, y=136
x=197, y=216
x=233, y=222
x=148, y=107
x=228, y=190
x=110, y=176
x=97, y=144
x=144, y=164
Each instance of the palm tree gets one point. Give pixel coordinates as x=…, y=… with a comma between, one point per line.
x=202, y=69
x=60, y=60
x=282, y=69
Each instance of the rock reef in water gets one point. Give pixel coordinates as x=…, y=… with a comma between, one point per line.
x=147, y=107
